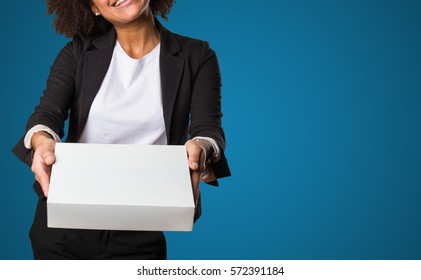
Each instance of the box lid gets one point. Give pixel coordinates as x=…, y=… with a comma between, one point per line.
x=118, y=174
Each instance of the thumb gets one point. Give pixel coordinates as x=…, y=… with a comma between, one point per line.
x=193, y=153
x=194, y=162
x=48, y=157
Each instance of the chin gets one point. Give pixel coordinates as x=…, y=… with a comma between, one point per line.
x=133, y=14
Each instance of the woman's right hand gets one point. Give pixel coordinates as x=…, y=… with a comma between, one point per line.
x=43, y=145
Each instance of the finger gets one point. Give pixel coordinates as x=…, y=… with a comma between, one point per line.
x=44, y=181
x=42, y=175
x=195, y=178
x=42, y=172
x=204, y=175
x=208, y=175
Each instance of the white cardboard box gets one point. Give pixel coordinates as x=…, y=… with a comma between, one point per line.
x=120, y=187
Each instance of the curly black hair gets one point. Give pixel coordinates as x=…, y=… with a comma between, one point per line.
x=74, y=18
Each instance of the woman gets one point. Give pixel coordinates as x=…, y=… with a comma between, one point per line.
x=123, y=78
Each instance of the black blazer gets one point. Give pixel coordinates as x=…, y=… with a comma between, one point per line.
x=191, y=91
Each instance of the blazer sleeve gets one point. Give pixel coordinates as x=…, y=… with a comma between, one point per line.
x=52, y=110
x=205, y=107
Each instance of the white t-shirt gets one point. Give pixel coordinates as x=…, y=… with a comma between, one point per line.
x=128, y=106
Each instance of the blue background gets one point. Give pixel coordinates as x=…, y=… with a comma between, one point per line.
x=321, y=104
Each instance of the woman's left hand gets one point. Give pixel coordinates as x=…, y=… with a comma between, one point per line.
x=196, y=152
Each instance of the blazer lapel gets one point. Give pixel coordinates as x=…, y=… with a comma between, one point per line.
x=96, y=65
x=171, y=68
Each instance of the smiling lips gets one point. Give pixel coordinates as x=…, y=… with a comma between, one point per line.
x=116, y=4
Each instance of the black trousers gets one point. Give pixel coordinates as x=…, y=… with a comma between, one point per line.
x=54, y=243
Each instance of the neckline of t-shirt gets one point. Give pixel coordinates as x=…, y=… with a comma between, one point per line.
x=136, y=60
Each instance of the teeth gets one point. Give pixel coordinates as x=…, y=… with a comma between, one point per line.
x=118, y=3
